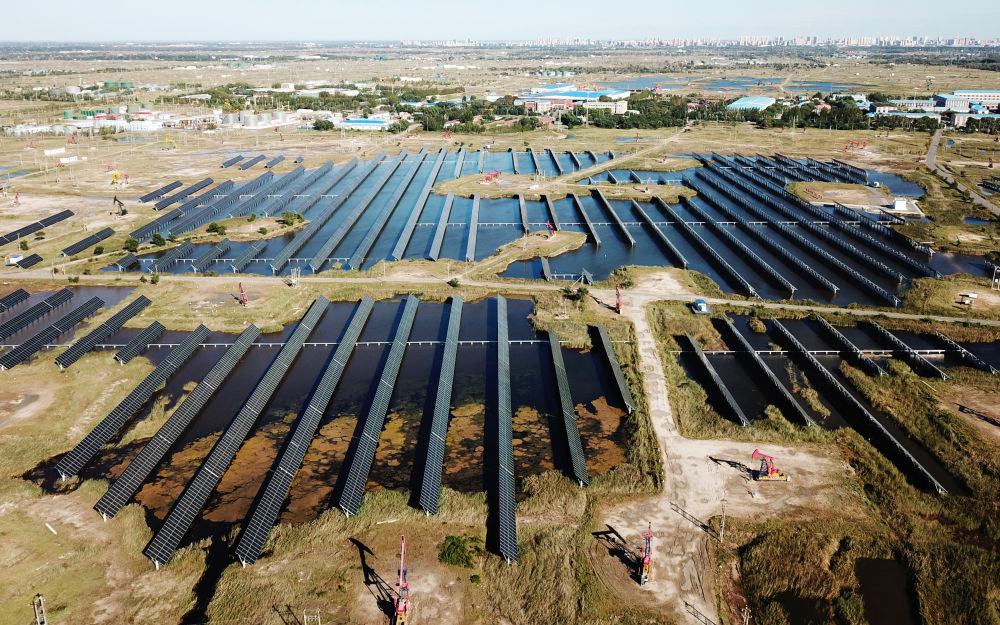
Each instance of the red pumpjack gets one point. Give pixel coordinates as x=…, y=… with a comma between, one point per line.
x=402, y=600
x=768, y=472
x=646, y=557
x=243, y=296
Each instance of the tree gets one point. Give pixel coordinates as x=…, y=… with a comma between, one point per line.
x=323, y=124
x=98, y=250
x=130, y=245
x=217, y=228
x=158, y=240
x=571, y=120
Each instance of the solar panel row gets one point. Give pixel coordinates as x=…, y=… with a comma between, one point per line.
x=609, y=354
x=28, y=348
x=101, y=332
x=15, y=324
x=252, y=162
x=192, y=500
x=577, y=458
x=140, y=342
x=241, y=261
x=354, y=480
x=152, y=195
x=35, y=227
x=441, y=227
x=506, y=506
x=162, y=223
x=302, y=237
x=183, y=193
x=220, y=205
x=331, y=244
x=83, y=244
x=361, y=252
x=208, y=257
x=275, y=204
x=101, y=435
x=274, y=161
x=232, y=161
x=130, y=481
x=470, y=244
x=28, y=261
x=12, y=299
x=127, y=261
x=257, y=526
x=407, y=233
x=430, y=486
x=276, y=186
x=171, y=256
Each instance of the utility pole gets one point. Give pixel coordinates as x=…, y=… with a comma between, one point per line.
x=722, y=527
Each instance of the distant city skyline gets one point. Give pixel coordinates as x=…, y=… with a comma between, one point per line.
x=515, y=20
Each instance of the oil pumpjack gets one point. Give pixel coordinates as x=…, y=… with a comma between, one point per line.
x=619, y=304
x=646, y=556
x=402, y=599
x=243, y=296
x=768, y=472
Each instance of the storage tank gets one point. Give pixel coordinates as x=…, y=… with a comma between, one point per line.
x=282, y=117
x=265, y=118
x=249, y=120
x=230, y=118
x=244, y=114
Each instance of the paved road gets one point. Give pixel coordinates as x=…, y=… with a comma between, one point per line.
x=931, y=161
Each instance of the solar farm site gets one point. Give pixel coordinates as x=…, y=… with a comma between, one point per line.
x=580, y=375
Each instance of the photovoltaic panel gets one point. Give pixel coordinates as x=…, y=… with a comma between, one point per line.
x=609, y=354
x=140, y=342
x=470, y=244
x=17, y=323
x=35, y=227
x=331, y=244
x=430, y=486
x=130, y=481
x=83, y=244
x=354, y=480
x=183, y=193
x=81, y=455
x=193, y=499
x=258, y=524
x=152, y=195
x=101, y=332
x=171, y=256
x=252, y=162
x=418, y=207
x=291, y=192
x=274, y=161
x=29, y=261
x=506, y=505
x=31, y=346
x=127, y=261
x=441, y=227
x=209, y=257
x=188, y=208
x=241, y=261
x=12, y=299
x=232, y=161
x=264, y=195
x=577, y=458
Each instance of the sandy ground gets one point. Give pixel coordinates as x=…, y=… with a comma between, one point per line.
x=982, y=411
x=699, y=476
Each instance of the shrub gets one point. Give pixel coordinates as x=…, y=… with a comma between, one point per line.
x=158, y=240
x=252, y=218
x=130, y=245
x=262, y=230
x=460, y=550
x=154, y=279
x=23, y=244
x=98, y=250
x=453, y=283
x=217, y=228
x=757, y=325
x=143, y=279
x=73, y=279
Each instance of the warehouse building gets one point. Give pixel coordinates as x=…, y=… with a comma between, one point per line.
x=751, y=103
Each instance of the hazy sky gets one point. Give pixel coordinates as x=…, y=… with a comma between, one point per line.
x=204, y=20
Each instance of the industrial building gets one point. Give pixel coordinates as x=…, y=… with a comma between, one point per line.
x=751, y=103
x=618, y=107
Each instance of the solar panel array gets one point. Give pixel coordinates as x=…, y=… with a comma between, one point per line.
x=183, y=193
x=293, y=189
x=241, y=261
x=193, y=499
x=418, y=208
x=28, y=348
x=152, y=195
x=252, y=162
x=274, y=161
x=101, y=435
x=140, y=342
x=430, y=485
x=259, y=522
x=232, y=161
x=577, y=458
x=299, y=159
x=331, y=244
x=506, y=506
x=441, y=227
x=101, y=332
x=275, y=186
x=609, y=353
x=219, y=206
x=171, y=256
x=79, y=246
x=35, y=227
x=162, y=223
x=302, y=237
x=127, y=261
x=361, y=252
x=213, y=253
x=470, y=244
x=28, y=261
x=153, y=452
x=356, y=477
x=12, y=299
x=15, y=324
